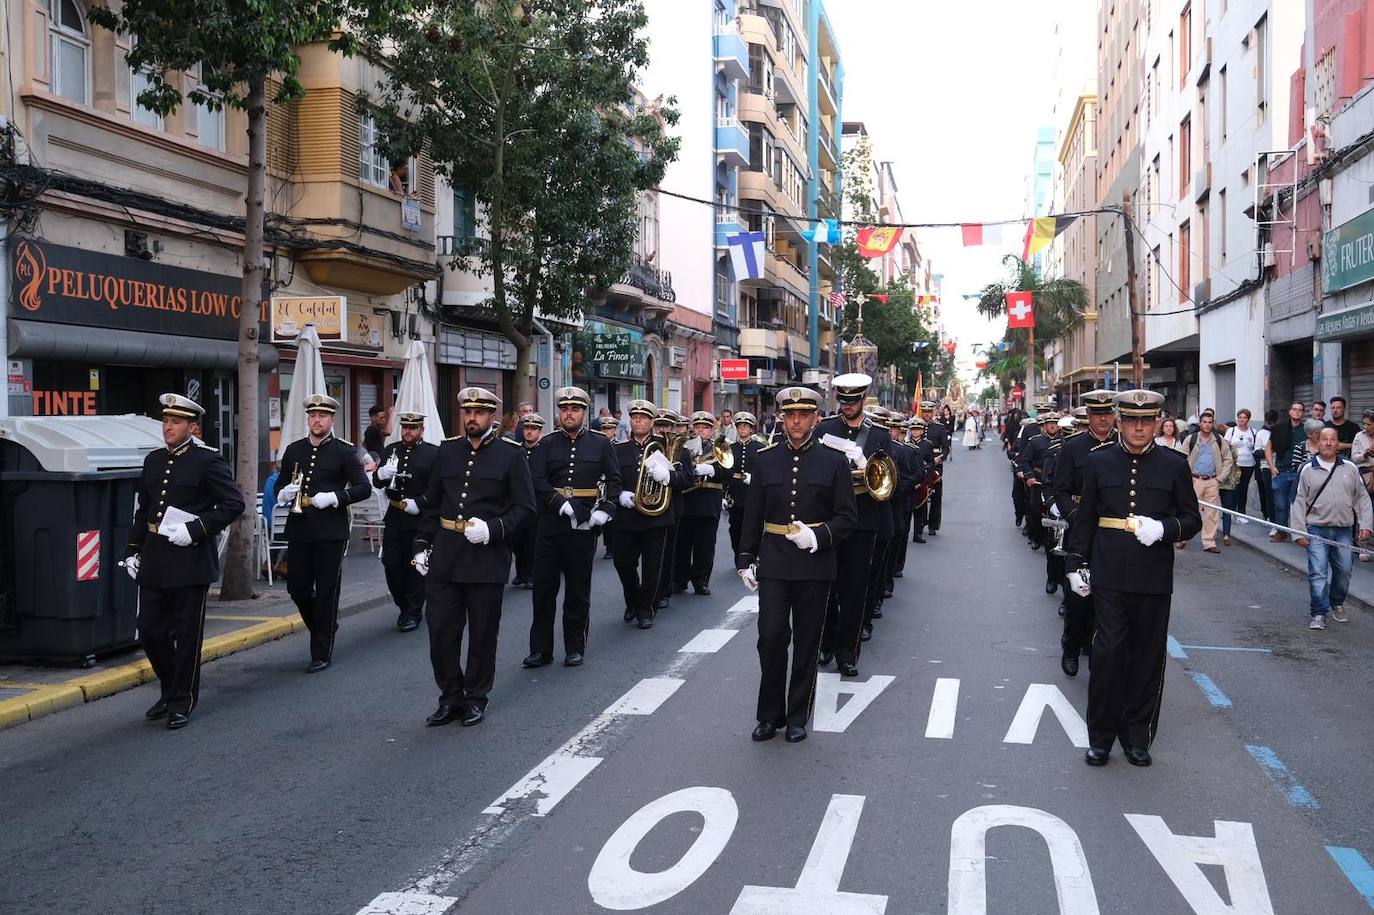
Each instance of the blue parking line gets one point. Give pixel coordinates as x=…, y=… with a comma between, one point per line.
x=1278, y=773
x=1226, y=648
x=1210, y=690
x=1356, y=869
x=1176, y=650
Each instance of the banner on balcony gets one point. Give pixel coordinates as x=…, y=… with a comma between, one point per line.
x=746, y=254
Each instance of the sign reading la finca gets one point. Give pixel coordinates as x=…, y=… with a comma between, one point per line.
x=291, y=314
x=1348, y=254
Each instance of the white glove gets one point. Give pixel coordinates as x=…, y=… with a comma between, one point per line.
x=704, y=470
x=1150, y=531
x=567, y=511
x=1054, y=510
x=412, y=507
x=750, y=577
x=627, y=498
x=803, y=537
x=388, y=470
x=693, y=446
x=325, y=500
x=746, y=478
x=661, y=475
x=860, y=462
x=287, y=494
x=178, y=534
x=421, y=563
x=131, y=566
x=477, y=531
x=1078, y=583
x=598, y=518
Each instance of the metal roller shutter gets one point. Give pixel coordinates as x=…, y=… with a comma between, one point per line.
x=1358, y=384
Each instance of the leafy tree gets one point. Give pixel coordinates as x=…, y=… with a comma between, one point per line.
x=991, y=394
x=531, y=108
x=239, y=47
x=1059, y=307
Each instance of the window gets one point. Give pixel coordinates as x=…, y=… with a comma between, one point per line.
x=1152, y=280
x=1185, y=43
x=1221, y=225
x=71, y=47
x=1225, y=95
x=1205, y=241
x=372, y=165
x=210, y=125
x=1261, y=49
x=140, y=81
x=1152, y=189
x=1185, y=256
x=1185, y=154
x=464, y=214
x=1154, y=84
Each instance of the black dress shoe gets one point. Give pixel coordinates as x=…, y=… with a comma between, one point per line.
x=702, y=590
x=645, y=623
x=866, y=633
x=661, y=603
x=1137, y=756
x=934, y=532
x=795, y=733
x=847, y=668
x=877, y=612
x=316, y=666
x=407, y=624
x=897, y=574
x=1034, y=546
x=629, y=614
x=178, y=720
x=1095, y=757
x=473, y=715
x=537, y=659
x=918, y=539
x=1063, y=608
x=574, y=659
x=825, y=658
x=157, y=710
x=679, y=589
x=1051, y=586
x=765, y=730
x=444, y=714
x=887, y=592
x=1069, y=663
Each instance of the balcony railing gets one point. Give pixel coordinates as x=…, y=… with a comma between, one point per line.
x=729, y=120
x=826, y=142
x=650, y=280
x=459, y=245
x=826, y=81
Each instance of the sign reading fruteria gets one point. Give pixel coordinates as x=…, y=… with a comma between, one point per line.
x=1348, y=254
x=1357, y=321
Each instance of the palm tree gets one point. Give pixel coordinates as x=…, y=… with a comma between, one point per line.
x=1059, y=307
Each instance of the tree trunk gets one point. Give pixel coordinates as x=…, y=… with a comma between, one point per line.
x=238, y=566
x=523, y=390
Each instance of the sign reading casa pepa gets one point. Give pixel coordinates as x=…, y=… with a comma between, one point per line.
x=65, y=285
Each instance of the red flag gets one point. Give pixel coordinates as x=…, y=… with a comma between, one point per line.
x=918, y=395
x=973, y=234
x=1020, y=309
x=879, y=241
x=880, y=298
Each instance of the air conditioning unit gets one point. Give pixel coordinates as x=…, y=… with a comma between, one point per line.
x=1267, y=255
x=1324, y=191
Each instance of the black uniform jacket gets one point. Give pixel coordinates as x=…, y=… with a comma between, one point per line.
x=873, y=516
x=937, y=433
x=704, y=496
x=1032, y=459
x=1070, y=468
x=1019, y=443
x=1156, y=484
x=810, y=484
x=194, y=478
x=331, y=466
x=418, y=461
x=490, y=482
x=632, y=519
x=562, y=464
x=746, y=454
x=908, y=460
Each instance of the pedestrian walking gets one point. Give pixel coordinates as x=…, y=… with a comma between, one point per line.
x=1137, y=499
x=186, y=496
x=404, y=477
x=1209, y=459
x=374, y=436
x=1241, y=437
x=1168, y=434
x=1333, y=506
x=1284, y=437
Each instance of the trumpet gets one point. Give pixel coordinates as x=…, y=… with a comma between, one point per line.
x=297, y=507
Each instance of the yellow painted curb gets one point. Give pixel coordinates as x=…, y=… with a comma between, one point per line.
x=53, y=698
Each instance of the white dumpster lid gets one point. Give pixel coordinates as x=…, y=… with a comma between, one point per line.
x=80, y=444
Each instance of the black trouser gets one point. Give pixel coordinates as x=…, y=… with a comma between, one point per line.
x=899, y=545
x=736, y=526
x=1127, y=679
x=171, y=626
x=523, y=548
x=877, y=578
x=696, y=550
x=403, y=580
x=607, y=532
x=1034, y=529
x=936, y=503
x=454, y=606
x=1264, y=482
x=1018, y=497
x=918, y=520
x=566, y=556
x=312, y=580
x=1078, y=622
x=636, y=550
x=790, y=613
x=845, y=609
x=666, y=573
x=1054, y=565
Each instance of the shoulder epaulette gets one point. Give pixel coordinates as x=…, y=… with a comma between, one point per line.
x=207, y=447
x=768, y=446
x=453, y=438
x=507, y=438
x=1101, y=446
x=345, y=441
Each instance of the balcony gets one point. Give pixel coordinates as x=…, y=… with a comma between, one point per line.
x=646, y=287
x=732, y=142
x=829, y=95
x=732, y=51
x=762, y=343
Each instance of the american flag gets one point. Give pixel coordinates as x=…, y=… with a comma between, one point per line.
x=837, y=299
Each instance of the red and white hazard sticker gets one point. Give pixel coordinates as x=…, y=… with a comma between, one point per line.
x=88, y=555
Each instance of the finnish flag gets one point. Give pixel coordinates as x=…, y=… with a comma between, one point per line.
x=746, y=254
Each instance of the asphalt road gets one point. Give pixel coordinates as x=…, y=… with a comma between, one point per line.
x=932, y=783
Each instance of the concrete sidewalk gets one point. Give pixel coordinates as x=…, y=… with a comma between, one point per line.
x=1288, y=554
x=29, y=691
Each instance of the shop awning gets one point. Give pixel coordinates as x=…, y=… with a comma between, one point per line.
x=67, y=343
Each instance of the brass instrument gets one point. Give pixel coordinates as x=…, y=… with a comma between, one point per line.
x=720, y=454
x=297, y=479
x=878, y=478
x=1060, y=528
x=652, y=498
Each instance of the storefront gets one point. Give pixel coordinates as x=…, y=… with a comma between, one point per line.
x=468, y=356
x=93, y=333
x=612, y=362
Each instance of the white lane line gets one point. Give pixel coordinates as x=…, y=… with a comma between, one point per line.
x=547, y=783
x=645, y=697
x=709, y=640
x=943, y=707
x=747, y=604
x=408, y=904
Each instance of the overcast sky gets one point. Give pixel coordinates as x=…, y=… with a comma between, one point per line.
x=953, y=94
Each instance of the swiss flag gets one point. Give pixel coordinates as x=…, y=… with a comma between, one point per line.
x=1020, y=309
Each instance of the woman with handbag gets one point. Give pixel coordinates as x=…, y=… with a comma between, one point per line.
x=1241, y=438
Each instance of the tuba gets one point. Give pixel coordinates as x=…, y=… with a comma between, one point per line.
x=652, y=498
x=878, y=478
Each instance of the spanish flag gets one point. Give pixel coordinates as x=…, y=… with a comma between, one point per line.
x=879, y=241
x=1042, y=230
x=917, y=396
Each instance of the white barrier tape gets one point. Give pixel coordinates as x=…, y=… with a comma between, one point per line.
x=1246, y=519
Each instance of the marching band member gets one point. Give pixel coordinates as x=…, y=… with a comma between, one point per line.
x=568, y=469
x=670, y=423
x=939, y=435
x=479, y=495
x=331, y=479
x=800, y=504
x=929, y=460
x=1032, y=467
x=701, y=506
x=522, y=546
x=745, y=447
x=174, y=562
x=609, y=426
x=403, y=475
x=904, y=499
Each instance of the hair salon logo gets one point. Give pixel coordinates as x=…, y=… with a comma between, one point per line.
x=30, y=266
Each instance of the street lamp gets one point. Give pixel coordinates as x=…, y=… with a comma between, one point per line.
x=862, y=352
